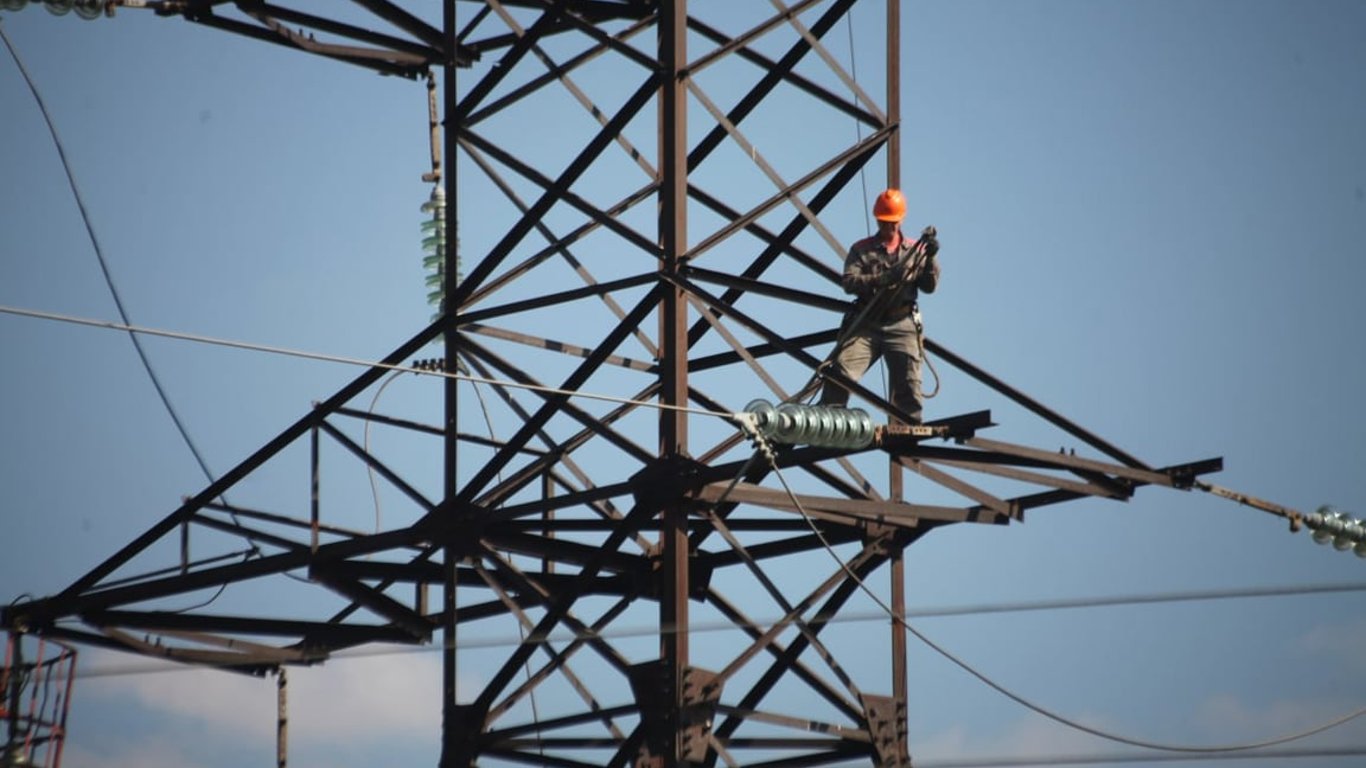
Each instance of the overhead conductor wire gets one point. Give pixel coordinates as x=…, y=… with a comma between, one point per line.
x=104, y=265
x=113, y=289
x=1017, y=698
x=108, y=325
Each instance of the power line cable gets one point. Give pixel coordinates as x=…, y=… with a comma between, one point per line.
x=114, y=292
x=949, y=611
x=1017, y=698
x=1019, y=762
x=9, y=310
x=104, y=264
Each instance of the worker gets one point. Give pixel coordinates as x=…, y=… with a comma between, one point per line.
x=885, y=273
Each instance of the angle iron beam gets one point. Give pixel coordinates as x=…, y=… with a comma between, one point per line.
x=778, y=597
x=378, y=466
x=410, y=24
x=781, y=292
x=232, y=476
x=836, y=509
x=751, y=100
x=793, y=615
x=1036, y=478
x=957, y=485
x=563, y=449
x=554, y=403
x=495, y=284
x=555, y=656
x=1069, y=462
x=576, y=498
x=563, y=194
x=536, y=678
x=838, y=732
x=410, y=71
x=764, y=235
x=817, y=683
x=377, y=602
x=285, y=520
x=856, y=153
x=562, y=603
x=1039, y=409
x=63, y=604
x=557, y=401
x=311, y=633
x=747, y=53
x=524, y=584
x=562, y=551
x=389, y=421
x=552, y=345
x=551, y=237
x=576, y=168
x=761, y=263
x=431, y=54
x=540, y=81
x=556, y=299
x=553, y=723
x=869, y=558
x=502, y=68
x=767, y=349
x=743, y=39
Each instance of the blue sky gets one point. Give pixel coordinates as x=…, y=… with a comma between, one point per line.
x=1152, y=216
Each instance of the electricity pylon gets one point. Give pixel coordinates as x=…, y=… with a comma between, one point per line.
x=659, y=243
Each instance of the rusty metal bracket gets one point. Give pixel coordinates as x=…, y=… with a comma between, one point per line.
x=887, y=727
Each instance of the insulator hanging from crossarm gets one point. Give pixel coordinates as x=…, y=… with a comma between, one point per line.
x=434, y=243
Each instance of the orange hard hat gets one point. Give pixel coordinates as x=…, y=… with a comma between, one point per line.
x=890, y=206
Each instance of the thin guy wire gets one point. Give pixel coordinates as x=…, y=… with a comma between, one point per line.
x=1020, y=699
x=104, y=265
x=858, y=127
x=351, y=361
x=113, y=290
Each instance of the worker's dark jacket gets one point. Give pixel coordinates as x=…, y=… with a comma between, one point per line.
x=868, y=267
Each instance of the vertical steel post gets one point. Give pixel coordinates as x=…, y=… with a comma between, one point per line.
x=673, y=331
x=897, y=570
x=452, y=725
x=281, y=718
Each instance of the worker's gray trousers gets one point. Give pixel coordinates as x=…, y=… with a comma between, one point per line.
x=897, y=342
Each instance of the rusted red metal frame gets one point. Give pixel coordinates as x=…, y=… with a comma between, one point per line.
x=525, y=529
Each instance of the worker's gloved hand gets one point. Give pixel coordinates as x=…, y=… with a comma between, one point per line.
x=930, y=237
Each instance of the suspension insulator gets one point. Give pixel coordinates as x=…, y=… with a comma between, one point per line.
x=434, y=249
x=817, y=425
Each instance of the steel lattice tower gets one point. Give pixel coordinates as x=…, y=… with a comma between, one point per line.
x=658, y=252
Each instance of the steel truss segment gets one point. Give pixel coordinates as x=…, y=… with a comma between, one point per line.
x=473, y=142
x=533, y=537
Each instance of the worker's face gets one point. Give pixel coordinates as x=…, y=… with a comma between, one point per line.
x=886, y=229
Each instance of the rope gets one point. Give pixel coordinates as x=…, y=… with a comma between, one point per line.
x=1017, y=698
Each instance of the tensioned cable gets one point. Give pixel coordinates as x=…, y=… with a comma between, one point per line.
x=104, y=265
x=108, y=325
x=1017, y=698
x=950, y=611
x=1028, y=760
x=109, y=282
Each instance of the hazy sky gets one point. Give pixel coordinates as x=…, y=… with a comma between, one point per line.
x=1152, y=215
